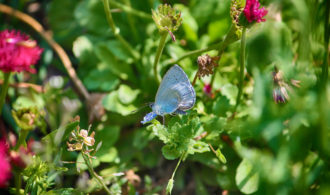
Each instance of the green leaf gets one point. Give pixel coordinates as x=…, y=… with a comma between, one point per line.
x=189, y=23
x=170, y=152
x=81, y=165
x=101, y=80
x=108, y=135
x=107, y=155
x=218, y=29
x=111, y=102
x=90, y=15
x=220, y=156
x=169, y=186
x=247, y=179
x=230, y=91
x=61, y=134
x=29, y=100
x=126, y=94
x=112, y=62
x=64, y=191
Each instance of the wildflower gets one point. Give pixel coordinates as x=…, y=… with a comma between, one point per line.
x=5, y=172
x=17, y=52
x=280, y=94
x=208, y=90
x=80, y=138
x=167, y=19
x=206, y=64
x=252, y=11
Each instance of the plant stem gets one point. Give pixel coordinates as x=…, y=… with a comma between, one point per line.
x=177, y=165
x=242, y=67
x=115, y=31
x=4, y=90
x=18, y=182
x=94, y=174
x=130, y=10
x=159, y=52
x=195, y=79
x=131, y=21
x=325, y=68
x=21, y=139
x=230, y=38
x=195, y=52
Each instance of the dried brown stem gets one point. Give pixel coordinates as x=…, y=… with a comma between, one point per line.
x=35, y=87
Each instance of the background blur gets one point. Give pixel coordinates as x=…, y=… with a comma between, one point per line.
x=268, y=148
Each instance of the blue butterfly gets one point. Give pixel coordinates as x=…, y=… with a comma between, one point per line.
x=175, y=95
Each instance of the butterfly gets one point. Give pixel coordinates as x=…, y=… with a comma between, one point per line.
x=175, y=95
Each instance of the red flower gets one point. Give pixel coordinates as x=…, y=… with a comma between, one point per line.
x=252, y=11
x=208, y=90
x=17, y=52
x=5, y=169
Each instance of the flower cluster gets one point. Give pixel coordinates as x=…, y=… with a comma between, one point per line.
x=280, y=93
x=252, y=11
x=167, y=19
x=17, y=52
x=79, y=138
x=5, y=172
x=206, y=64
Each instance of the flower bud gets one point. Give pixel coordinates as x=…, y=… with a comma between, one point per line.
x=27, y=118
x=167, y=19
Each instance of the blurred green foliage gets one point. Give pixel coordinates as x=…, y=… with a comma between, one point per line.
x=267, y=148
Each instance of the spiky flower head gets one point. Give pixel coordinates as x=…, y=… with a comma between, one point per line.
x=253, y=12
x=167, y=19
x=28, y=118
x=18, y=52
x=206, y=64
x=250, y=14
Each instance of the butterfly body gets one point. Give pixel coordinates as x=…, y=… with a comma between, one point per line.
x=174, y=96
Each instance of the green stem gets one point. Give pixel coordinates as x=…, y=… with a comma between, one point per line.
x=4, y=90
x=21, y=139
x=113, y=27
x=18, y=182
x=131, y=22
x=159, y=53
x=230, y=38
x=325, y=69
x=195, y=52
x=177, y=165
x=93, y=173
x=242, y=67
x=130, y=10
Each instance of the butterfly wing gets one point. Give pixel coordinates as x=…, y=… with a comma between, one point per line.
x=175, y=92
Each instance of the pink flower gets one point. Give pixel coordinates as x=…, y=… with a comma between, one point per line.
x=208, y=90
x=5, y=168
x=252, y=11
x=17, y=52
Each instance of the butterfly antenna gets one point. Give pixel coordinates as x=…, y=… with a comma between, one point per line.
x=145, y=105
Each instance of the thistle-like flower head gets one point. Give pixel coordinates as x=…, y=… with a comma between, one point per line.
x=206, y=64
x=17, y=52
x=167, y=19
